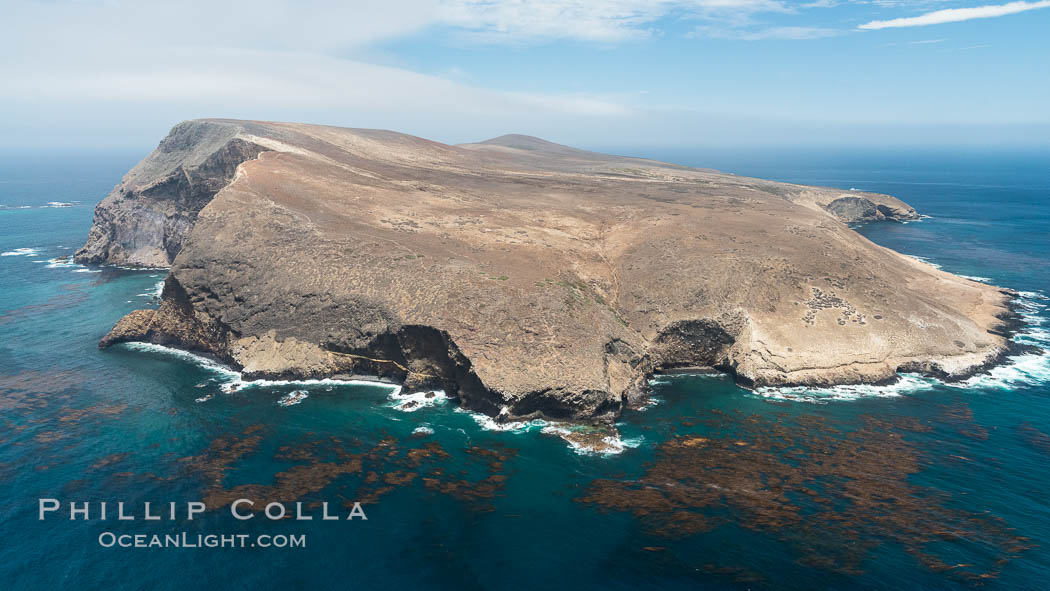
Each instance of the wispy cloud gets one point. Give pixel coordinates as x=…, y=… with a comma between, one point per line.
x=722, y=20
x=919, y=42
x=101, y=66
x=770, y=33
x=981, y=46
x=607, y=21
x=954, y=15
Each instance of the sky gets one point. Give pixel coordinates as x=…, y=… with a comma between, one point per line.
x=656, y=73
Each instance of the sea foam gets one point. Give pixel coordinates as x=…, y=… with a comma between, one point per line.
x=48, y=205
x=413, y=401
x=604, y=442
x=230, y=380
x=291, y=398
x=158, y=289
x=924, y=260
x=64, y=262
x=20, y=252
x=905, y=384
x=490, y=424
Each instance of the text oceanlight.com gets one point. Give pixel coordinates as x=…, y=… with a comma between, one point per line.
x=184, y=540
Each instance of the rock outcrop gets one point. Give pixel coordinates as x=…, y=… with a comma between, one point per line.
x=144, y=220
x=524, y=277
x=869, y=208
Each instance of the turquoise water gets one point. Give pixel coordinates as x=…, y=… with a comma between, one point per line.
x=918, y=485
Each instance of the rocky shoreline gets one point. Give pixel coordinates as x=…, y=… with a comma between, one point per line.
x=526, y=279
x=1012, y=323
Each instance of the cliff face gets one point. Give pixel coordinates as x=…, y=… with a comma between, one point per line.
x=144, y=220
x=525, y=277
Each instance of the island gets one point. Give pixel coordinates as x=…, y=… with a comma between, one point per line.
x=525, y=278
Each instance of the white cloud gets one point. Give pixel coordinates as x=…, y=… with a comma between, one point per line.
x=230, y=78
x=244, y=58
x=109, y=65
x=303, y=25
x=87, y=98
x=85, y=72
x=586, y=20
x=954, y=15
x=329, y=26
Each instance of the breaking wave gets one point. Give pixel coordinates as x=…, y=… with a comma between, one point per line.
x=63, y=262
x=413, y=401
x=158, y=289
x=924, y=260
x=291, y=398
x=48, y=205
x=601, y=442
x=21, y=252
x=1029, y=368
x=227, y=380
x=582, y=439
x=490, y=424
x=905, y=384
x=230, y=380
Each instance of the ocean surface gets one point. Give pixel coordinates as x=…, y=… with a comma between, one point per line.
x=917, y=485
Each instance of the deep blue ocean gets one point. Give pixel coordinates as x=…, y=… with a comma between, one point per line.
x=918, y=485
